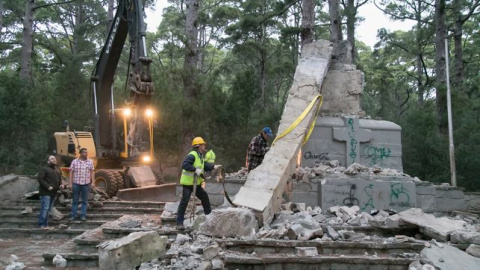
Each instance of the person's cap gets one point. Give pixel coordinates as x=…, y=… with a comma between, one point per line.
x=268, y=130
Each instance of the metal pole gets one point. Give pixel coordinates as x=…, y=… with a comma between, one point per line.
x=453, y=173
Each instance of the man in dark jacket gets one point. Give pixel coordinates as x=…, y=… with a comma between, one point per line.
x=258, y=148
x=50, y=179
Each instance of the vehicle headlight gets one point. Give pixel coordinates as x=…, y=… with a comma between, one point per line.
x=146, y=159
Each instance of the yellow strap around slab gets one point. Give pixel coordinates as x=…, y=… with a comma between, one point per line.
x=301, y=117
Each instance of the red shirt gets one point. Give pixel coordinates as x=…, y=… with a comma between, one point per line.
x=82, y=171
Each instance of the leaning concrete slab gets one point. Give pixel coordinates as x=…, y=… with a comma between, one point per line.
x=437, y=228
x=131, y=251
x=264, y=186
x=447, y=257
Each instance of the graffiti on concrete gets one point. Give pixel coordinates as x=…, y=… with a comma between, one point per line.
x=399, y=195
x=368, y=195
x=368, y=190
x=319, y=156
x=353, y=141
x=376, y=155
x=351, y=200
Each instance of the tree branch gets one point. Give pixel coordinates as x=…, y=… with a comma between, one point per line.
x=53, y=4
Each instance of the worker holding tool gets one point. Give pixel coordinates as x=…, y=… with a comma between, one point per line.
x=192, y=178
x=258, y=148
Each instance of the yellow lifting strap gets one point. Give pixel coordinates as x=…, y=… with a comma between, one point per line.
x=301, y=117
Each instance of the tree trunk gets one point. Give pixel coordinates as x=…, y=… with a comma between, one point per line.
x=77, y=35
x=110, y=8
x=351, y=13
x=190, y=85
x=1, y=17
x=191, y=49
x=308, y=22
x=27, y=45
x=335, y=20
x=419, y=64
x=458, y=53
x=441, y=77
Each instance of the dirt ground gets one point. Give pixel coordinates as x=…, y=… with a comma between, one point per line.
x=29, y=251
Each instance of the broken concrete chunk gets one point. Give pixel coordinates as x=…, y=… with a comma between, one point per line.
x=55, y=214
x=307, y=251
x=230, y=222
x=437, y=228
x=465, y=237
x=211, y=252
x=294, y=231
x=217, y=264
x=448, y=257
x=28, y=210
x=59, y=261
x=474, y=250
x=124, y=253
x=332, y=233
x=182, y=238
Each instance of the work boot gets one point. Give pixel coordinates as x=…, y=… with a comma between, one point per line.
x=83, y=218
x=180, y=227
x=72, y=219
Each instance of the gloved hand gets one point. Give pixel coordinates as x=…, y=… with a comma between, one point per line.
x=198, y=171
x=217, y=167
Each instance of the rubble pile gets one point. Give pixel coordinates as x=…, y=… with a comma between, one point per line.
x=333, y=167
x=205, y=247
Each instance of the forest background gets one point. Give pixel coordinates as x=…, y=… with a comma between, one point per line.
x=223, y=70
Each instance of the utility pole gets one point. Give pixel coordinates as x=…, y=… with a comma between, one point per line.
x=453, y=173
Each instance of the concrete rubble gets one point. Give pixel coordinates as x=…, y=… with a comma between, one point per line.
x=124, y=253
x=204, y=248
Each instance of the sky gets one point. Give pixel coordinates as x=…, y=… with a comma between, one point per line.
x=366, y=31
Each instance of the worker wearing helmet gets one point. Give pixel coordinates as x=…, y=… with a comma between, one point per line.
x=258, y=148
x=193, y=167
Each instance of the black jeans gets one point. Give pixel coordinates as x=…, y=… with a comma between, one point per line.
x=186, y=193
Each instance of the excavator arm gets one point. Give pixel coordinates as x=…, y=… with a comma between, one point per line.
x=128, y=21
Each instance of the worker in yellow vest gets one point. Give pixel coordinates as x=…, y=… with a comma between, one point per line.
x=194, y=166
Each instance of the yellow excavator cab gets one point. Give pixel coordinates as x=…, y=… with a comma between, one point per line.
x=69, y=144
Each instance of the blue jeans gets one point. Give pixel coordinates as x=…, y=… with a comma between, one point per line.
x=186, y=193
x=78, y=190
x=46, y=205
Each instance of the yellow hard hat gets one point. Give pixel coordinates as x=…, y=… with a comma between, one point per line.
x=198, y=140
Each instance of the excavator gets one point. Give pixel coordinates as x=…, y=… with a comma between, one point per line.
x=122, y=142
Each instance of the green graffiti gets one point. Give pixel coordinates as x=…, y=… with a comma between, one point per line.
x=353, y=142
x=399, y=195
x=376, y=154
x=368, y=190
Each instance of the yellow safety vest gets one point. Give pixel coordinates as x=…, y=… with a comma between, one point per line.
x=210, y=157
x=187, y=176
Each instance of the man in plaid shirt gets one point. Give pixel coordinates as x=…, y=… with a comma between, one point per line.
x=258, y=148
x=81, y=177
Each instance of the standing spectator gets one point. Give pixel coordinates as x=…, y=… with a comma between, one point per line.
x=258, y=148
x=49, y=178
x=81, y=177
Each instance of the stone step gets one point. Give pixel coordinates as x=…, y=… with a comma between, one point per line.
x=75, y=257
x=77, y=224
x=281, y=261
x=323, y=247
x=82, y=250
x=37, y=233
x=377, y=231
x=128, y=204
x=33, y=217
x=8, y=209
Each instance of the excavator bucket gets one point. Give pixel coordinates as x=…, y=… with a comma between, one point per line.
x=156, y=193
